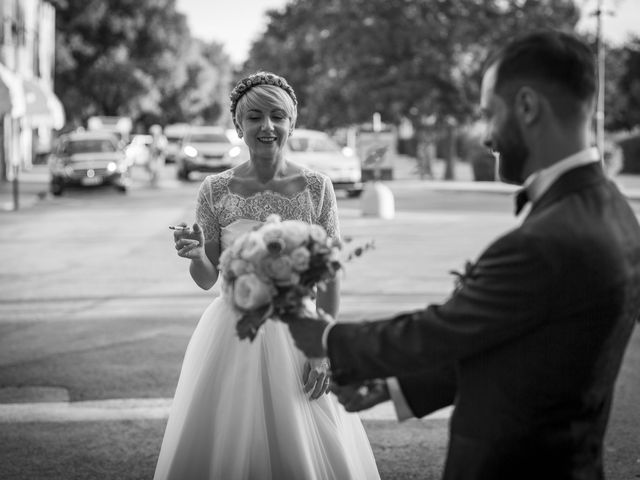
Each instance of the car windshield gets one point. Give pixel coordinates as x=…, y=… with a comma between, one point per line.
x=318, y=144
x=208, y=138
x=89, y=146
x=142, y=140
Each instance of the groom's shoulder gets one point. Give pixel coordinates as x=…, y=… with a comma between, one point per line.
x=520, y=240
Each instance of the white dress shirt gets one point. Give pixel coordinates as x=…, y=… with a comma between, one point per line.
x=536, y=185
x=539, y=182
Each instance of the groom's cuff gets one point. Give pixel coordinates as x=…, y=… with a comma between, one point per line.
x=403, y=412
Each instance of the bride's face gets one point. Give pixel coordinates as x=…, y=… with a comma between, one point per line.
x=265, y=130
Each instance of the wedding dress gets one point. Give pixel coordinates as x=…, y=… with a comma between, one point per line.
x=239, y=411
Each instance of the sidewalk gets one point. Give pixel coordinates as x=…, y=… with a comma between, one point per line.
x=32, y=187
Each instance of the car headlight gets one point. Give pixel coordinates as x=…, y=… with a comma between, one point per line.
x=112, y=167
x=348, y=151
x=234, y=152
x=190, y=151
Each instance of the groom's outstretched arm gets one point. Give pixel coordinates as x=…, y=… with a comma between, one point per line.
x=506, y=294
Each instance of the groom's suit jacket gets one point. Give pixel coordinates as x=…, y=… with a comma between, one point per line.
x=529, y=347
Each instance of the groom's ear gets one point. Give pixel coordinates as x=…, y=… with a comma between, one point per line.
x=527, y=104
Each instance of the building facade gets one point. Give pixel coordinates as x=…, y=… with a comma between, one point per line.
x=29, y=110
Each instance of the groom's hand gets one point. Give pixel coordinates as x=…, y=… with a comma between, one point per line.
x=307, y=334
x=361, y=396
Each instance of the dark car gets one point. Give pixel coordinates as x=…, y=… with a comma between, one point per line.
x=205, y=149
x=88, y=159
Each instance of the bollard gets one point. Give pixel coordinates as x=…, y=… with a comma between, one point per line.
x=377, y=201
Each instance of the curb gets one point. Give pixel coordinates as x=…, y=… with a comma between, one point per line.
x=139, y=409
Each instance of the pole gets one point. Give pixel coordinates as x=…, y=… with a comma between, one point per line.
x=376, y=126
x=15, y=183
x=600, y=98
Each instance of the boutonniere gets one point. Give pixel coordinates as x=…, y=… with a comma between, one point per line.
x=460, y=278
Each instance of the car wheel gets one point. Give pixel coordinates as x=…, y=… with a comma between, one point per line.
x=56, y=189
x=121, y=188
x=183, y=174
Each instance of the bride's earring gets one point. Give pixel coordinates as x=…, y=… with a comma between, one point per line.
x=240, y=134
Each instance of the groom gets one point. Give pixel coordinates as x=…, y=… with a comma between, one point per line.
x=528, y=348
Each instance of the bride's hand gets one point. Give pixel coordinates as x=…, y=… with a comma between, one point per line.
x=316, y=377
x=189, y=242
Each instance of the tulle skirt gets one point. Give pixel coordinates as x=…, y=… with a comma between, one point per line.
x=240, y=412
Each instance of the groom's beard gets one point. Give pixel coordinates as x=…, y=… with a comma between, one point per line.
x=513, y=153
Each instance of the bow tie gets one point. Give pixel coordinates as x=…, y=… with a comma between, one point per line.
x=522, y=198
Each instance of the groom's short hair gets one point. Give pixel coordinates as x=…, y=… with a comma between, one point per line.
x=558, y=64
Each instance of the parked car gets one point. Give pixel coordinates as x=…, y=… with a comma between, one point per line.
x=88, y=158
x=318, y=151
x=174, y=134
x=205, y=149
x=138, y=152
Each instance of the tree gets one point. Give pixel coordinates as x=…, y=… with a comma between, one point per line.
x=134, y=58
x=622, y=88
x=419, y=60
x=403, y=58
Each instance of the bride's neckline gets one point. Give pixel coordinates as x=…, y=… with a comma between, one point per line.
x=267, y=191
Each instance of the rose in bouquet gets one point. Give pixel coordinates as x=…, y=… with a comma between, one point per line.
x=275, y=270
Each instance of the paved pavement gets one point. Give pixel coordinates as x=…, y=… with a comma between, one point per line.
x=32, y=188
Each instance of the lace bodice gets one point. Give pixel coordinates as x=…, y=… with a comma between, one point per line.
x=217, y=206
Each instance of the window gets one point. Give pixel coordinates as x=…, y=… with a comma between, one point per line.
x=89, y=146
x=208, y=138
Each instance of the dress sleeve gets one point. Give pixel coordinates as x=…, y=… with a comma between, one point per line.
x=206, y=204
x=328, y=216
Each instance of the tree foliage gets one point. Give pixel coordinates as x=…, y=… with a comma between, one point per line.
x=419, y=59
x=622, y=95
x=135, y=58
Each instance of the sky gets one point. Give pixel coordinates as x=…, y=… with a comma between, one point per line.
x=233, y=23
x=236, y=23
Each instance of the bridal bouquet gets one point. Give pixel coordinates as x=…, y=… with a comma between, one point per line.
x=275, y=269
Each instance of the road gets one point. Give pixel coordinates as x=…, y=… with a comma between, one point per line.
x=94, y=269
x=94, y=303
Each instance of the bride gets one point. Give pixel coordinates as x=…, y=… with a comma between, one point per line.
x=257, y=410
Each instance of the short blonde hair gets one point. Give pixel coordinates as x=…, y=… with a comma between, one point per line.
x=265, y=97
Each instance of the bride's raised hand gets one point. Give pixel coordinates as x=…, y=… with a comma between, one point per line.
x=189, y=241
x=316, y=377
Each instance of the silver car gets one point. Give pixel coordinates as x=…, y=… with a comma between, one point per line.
x=204, y=149
x=318, y=151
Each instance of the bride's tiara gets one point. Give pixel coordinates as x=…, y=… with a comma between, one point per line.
x=259, y=78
